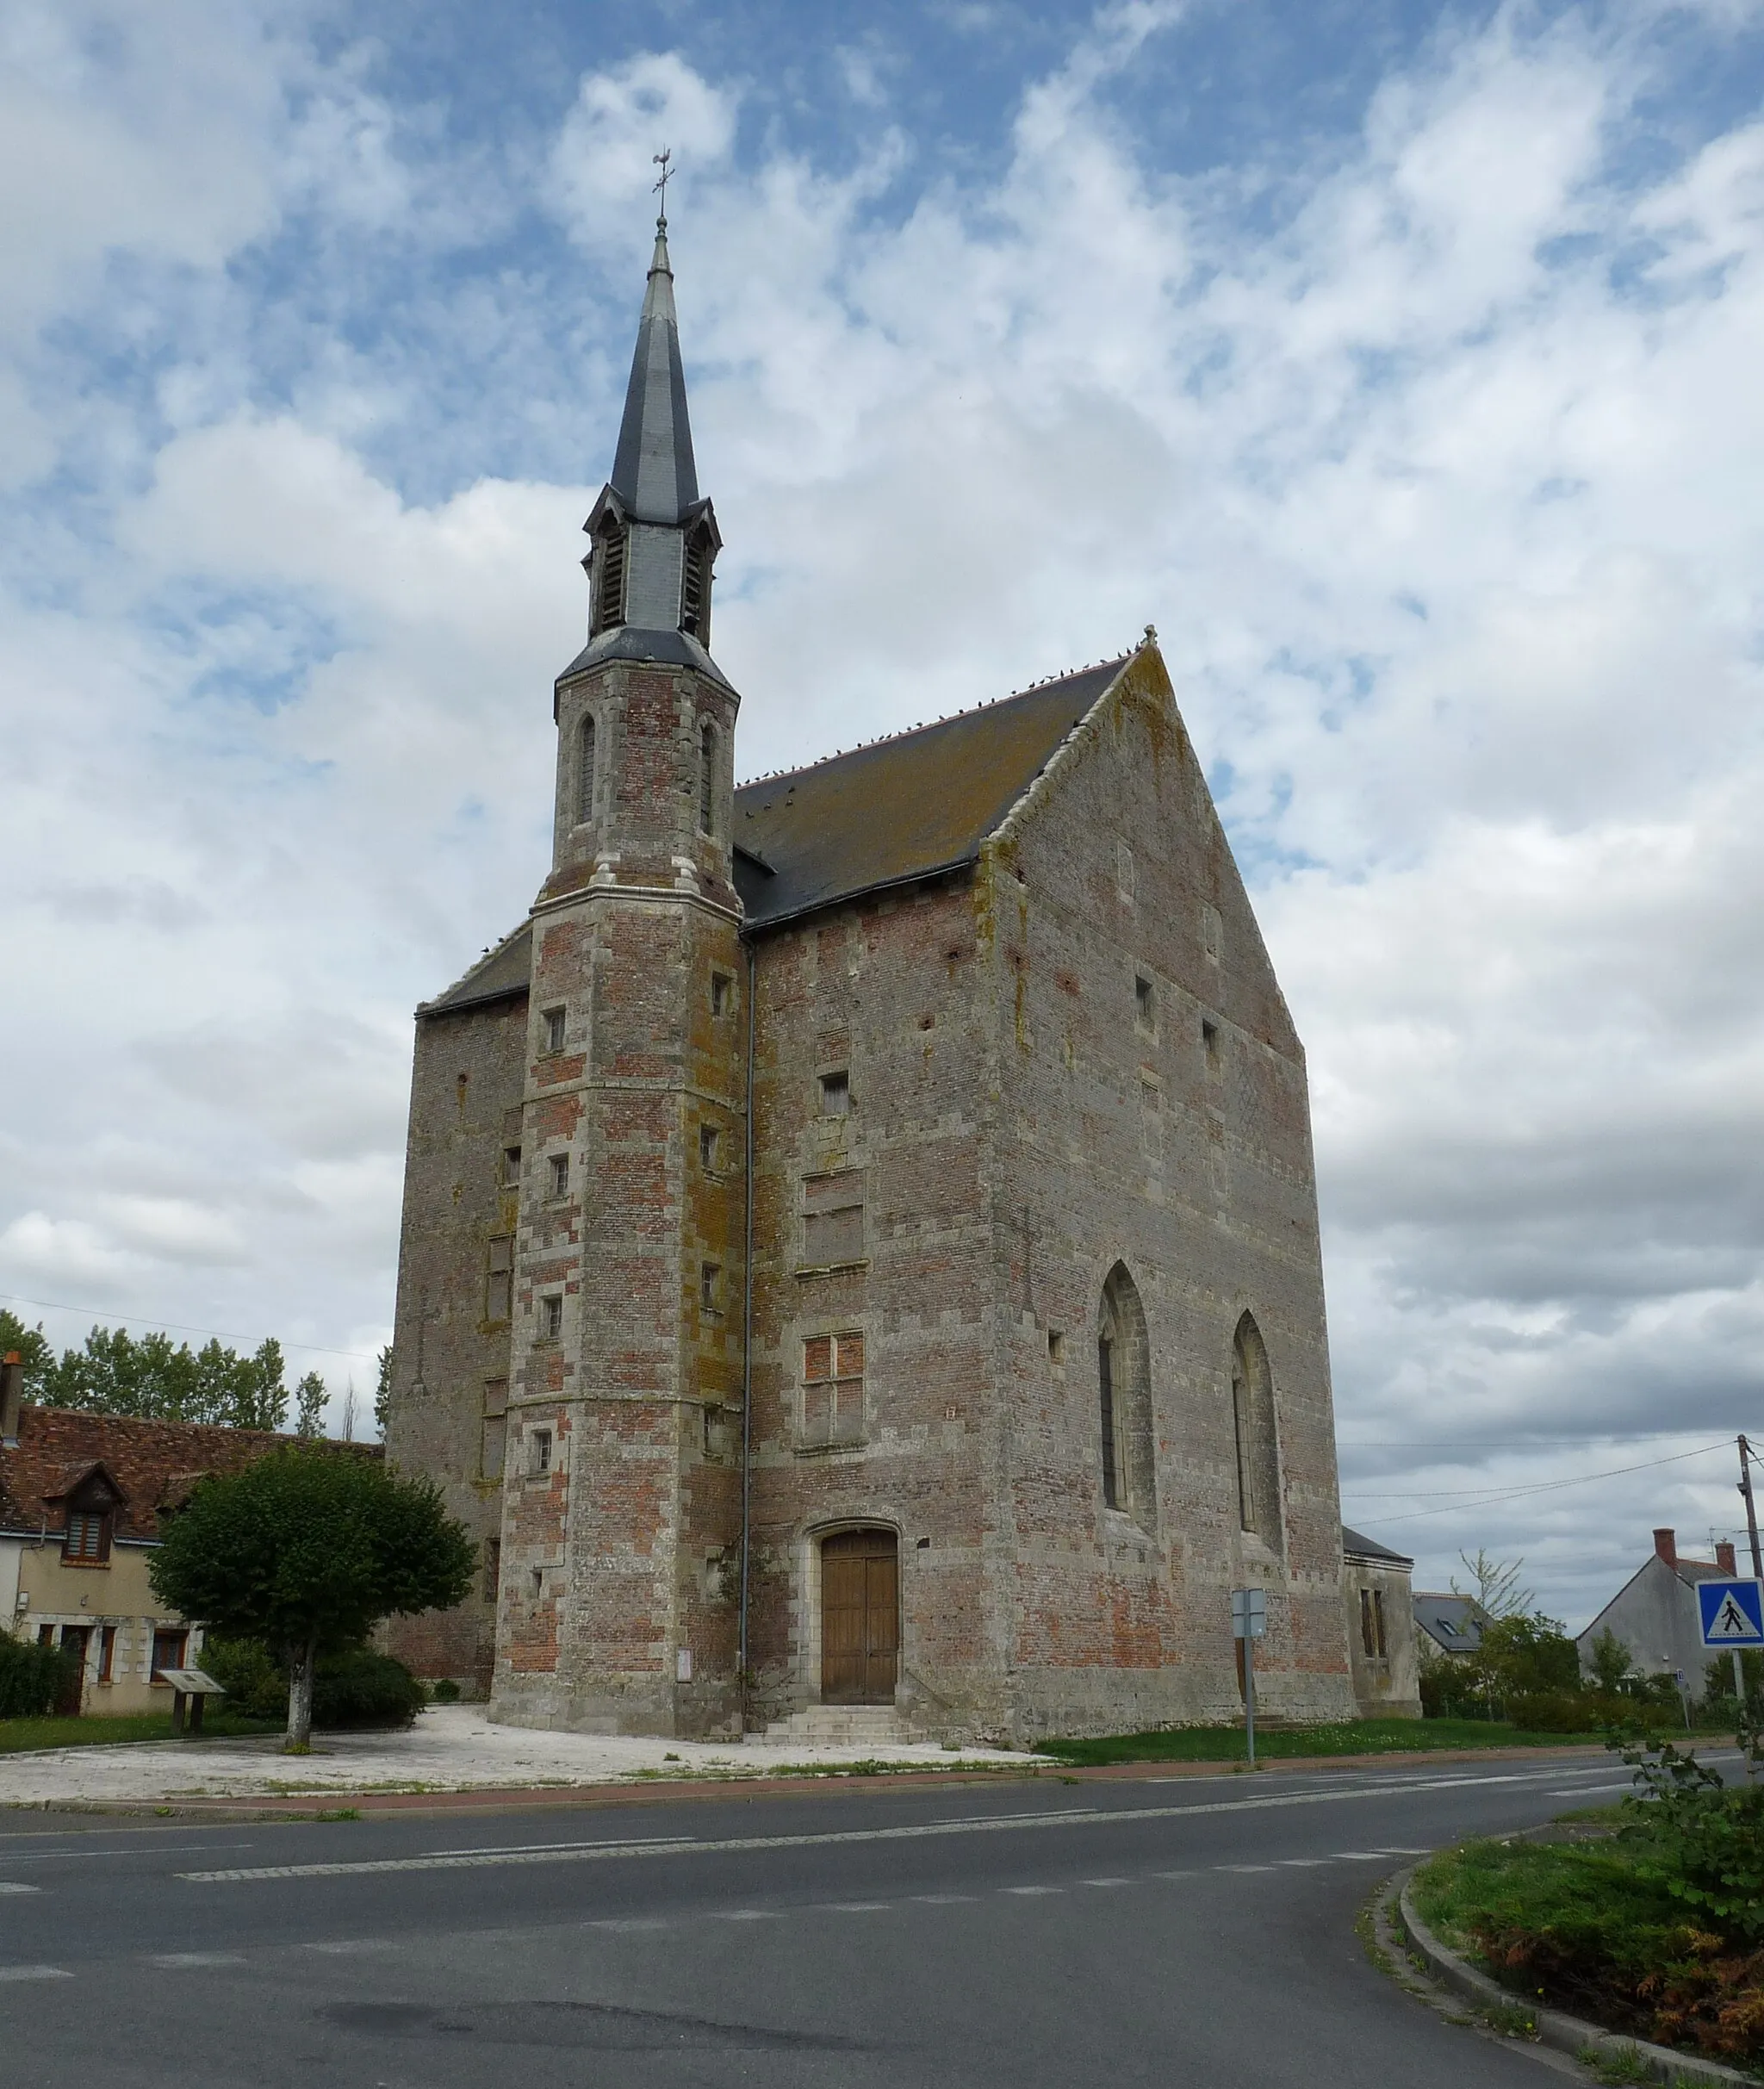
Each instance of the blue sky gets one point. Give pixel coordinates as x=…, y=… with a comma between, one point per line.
x=1397, y=363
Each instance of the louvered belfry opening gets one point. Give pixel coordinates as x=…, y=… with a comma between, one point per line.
x=609, y=584
x=695, y=588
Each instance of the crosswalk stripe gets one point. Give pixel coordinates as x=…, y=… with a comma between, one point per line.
x=35, y=1972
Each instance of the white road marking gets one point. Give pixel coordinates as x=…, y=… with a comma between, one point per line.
x=521, y=1849
x=1003, y=1824
x=946, y=1899
x=35, y=1972
x=1174, y=1874
x=1580, y=1791
x=1025, y=1890
x=1301, y=1864
x=146, y=1850
x=1394, y=1849
x=856, y=1908
x=1242, y=1868
x=1359, y=1856
x=176, y=1959
x=747, y=1914
x=11, y=1885
x=352, y=1947
x=627, y=1922
x=1105, y=1882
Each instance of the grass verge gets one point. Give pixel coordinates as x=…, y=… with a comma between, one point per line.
x=1576, y=1926
x=18, y=1735
x=1348, y=1737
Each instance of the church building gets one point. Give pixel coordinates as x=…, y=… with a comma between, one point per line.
x=860, y=1241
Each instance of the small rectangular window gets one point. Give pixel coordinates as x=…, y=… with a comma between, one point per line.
x=722, y=993
x=836, y=1095
x=1211, y=1045
x=710, y=1148
x=1055, y=1346
x=711, y=1287
x=492, y=1569
x=539, y=1451
x=107, y=1654
x=833, y=1388
x=555, y=1022
x=511, y=1167
x=87, y=1542
x=833, y=1219
x=551, y=1317
x=1368, y=1637
x=559, y=1174
x=1144, y=1002
x=168, y=1652
x=1378, y=1623
x=499, y=1278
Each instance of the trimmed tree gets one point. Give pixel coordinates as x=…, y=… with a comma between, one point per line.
x=307, y=1551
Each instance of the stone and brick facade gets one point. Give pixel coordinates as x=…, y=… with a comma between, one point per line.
x=973, y=1034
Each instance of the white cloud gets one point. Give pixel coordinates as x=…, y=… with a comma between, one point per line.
x=1436, y=459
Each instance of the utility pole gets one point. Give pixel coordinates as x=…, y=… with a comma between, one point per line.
x=1739, y=1679
x=1747, y=1454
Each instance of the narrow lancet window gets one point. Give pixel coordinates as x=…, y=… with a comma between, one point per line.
x=585, y=773
x=1254, y=1429
x=1124, y=1390
x=707, y=779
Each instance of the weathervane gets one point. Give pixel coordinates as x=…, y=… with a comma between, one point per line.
x=661, y=161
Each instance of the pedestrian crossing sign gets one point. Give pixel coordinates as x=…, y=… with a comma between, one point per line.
x=1733, y=1613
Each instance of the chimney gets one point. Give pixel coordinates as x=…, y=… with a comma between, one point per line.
x=11, y=1396
x=1666, y=1546
x=1724, y=1557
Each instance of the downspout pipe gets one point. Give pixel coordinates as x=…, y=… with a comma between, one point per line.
x=747, y=1352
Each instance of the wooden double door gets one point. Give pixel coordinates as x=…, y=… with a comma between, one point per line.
x=859, y=1618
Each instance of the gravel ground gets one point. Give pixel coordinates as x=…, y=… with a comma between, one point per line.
x=451, y=1748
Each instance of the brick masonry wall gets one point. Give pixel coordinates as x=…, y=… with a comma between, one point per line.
x=617, y=1607
x=1123, y=1138
x=886, y=992
x=465, y=1108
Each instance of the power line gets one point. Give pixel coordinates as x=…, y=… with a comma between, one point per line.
x=178, y=1327
x=1545, y=1487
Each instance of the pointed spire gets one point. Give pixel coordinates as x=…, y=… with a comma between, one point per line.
x=652, y=472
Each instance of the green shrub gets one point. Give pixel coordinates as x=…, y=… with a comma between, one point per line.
x=355, y=1687
x=32, y=1678
x=1575, y=1712
x=446, y=1692
x=360, y=1688
x=255, y=1683
x=1701, y=1839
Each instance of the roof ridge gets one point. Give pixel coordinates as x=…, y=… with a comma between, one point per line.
x=907, y=732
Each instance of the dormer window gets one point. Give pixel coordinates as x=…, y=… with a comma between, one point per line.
x=87, y=1541
x=609, y=583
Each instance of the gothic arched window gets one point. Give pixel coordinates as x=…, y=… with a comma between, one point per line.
x=585, y=778
x=1253, y=1427
x=707, y=779
x=1124, y=1398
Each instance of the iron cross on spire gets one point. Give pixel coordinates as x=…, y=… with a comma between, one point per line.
x=662, y=159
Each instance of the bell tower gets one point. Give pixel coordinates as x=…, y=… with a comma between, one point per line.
x=621, y=1506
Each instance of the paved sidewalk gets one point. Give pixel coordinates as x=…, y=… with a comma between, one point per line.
x=451, y=1748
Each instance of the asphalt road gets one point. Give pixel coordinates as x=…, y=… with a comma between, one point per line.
x=1185, y=1931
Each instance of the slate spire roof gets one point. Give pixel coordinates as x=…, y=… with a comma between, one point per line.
x=652, y=472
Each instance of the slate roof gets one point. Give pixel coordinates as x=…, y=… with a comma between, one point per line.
x=652, y=472
x=154, y=1465
x=1454, y=1622
x=1356, y=1546
x=901, y=809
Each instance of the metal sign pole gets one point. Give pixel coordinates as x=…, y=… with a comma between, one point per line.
x=1250, y=1699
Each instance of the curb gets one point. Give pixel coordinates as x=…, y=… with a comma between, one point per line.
x=1555, y=2028
x=762, y=1784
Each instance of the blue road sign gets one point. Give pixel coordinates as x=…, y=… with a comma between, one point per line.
x=1733, y=1613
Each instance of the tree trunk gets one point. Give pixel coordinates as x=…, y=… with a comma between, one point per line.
x=300, y=1698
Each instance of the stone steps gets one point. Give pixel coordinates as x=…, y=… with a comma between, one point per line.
x=872, y=1726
